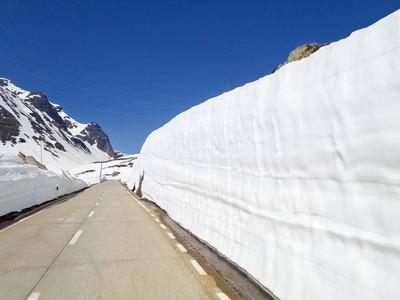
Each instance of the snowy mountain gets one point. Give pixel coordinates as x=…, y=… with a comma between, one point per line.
x=30, y=123
x=296, y=176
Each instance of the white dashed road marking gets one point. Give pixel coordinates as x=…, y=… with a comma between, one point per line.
x=163, y=226
x=91, y=213
x=183, y=249
x=75, y=237
x=198, y=267
x=139, y=202
x=34, y=296
x=144, y=207
x=222, y=296
x=157, y=220
x=170, y=235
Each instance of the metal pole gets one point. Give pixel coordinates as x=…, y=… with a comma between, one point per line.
x=101, y=167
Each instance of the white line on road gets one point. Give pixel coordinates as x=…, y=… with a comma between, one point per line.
x=141, y=204
x=222, y=296
x=91, y=213
x=34, y=296
x=75, y=237
x=152, y=215
x=183, y=249
x=198, y=267
x=157, y=220
x=138, y=202
x=97, y=203
x=170, y=235
x=163, y=226
x=24, y=219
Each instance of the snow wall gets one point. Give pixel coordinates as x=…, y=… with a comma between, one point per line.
x=295, y=177
x=22, y=185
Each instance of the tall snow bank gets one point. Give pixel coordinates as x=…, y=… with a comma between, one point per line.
x=22, y=185
x=295, y=177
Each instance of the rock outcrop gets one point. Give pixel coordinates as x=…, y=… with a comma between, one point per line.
x=9, y=126
x=30, y=160
x=93, y=134
x=300, y=52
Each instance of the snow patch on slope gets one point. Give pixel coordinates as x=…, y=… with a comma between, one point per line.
x=295, y=177
x=117, y=169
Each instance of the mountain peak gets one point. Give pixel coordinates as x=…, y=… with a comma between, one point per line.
x=4, y=82
x=40, y=101
x=30, y=123
x=93, y=134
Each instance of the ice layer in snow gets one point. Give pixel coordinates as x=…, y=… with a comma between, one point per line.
x=295, y=177
x=23, y=185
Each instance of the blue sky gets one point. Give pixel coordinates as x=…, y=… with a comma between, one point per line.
x=131, y=66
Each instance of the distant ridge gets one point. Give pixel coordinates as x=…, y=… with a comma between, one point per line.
x=30, y=123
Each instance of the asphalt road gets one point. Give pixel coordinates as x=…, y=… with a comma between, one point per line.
x=101, y=244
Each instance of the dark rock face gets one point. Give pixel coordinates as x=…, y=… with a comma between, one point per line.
x=94, y=134
x=78, y=143
x=9, y=126
x=4, y=82
x=59, y=146
x=40, y=102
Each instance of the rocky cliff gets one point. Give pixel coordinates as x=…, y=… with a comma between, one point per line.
x=30, y=123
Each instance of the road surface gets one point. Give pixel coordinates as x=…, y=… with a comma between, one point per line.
x=102, y=244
